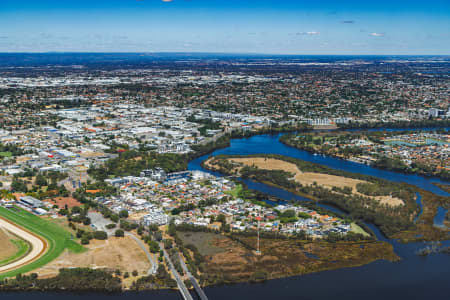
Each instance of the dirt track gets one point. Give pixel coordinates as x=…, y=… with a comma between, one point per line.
x=38, y=245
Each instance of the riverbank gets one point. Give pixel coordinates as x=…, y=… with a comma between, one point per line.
x=74, y=279
x=374, y=148
x=232, y=258
x=444, y=187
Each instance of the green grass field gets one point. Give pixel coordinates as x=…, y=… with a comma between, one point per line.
x=236, y=191
x=357, y=229
x=22, y=249
x=58, y=238
x=5, y=154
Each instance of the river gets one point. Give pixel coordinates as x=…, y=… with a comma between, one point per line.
x=414, y=277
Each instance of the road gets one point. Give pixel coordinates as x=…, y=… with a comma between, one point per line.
x=153, y=264
x=181, y=286
x=193, y=280
x=38, y=245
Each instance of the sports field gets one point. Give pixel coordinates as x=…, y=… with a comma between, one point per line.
x=57, y=237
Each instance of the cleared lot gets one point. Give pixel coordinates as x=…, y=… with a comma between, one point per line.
x=115, y=253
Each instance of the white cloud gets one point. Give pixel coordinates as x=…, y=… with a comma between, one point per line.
x=308, y=33
x=376, y=34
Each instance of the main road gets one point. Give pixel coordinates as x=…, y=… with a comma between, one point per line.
x=38, y=245
x=194, y=282
x=181, y=286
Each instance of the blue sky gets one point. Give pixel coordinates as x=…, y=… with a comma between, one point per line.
x=262, y=26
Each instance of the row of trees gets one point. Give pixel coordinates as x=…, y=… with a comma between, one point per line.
x=77, y=279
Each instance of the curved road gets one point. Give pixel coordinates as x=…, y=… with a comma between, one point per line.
x=38, y=245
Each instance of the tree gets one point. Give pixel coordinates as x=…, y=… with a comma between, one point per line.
x=114, y=218
x=167, y=243
x=188, y=283
x=304, y=215
x=123, y=214
x=157, y=236
x=172, y=230
x=119, y=233
x=76, y=210
x=100, y=235
x=40, y=180
x=140, y=230
x=161, y=272
x=153, y=227
x=86, y=221
x=221, y=218
x=111, y=226
x=290, y=213
x=154, y=247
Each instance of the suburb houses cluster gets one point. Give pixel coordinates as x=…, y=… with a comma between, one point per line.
x=201, y=199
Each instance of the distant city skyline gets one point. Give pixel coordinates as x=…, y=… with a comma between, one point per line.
x=265, y=26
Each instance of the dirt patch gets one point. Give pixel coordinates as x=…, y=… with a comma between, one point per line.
x=308, y=178
x=7, y=248
x=90, y=154
x=137, y=216
x=115, y=253
x=63, y=201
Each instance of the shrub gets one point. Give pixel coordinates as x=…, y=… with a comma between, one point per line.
x=100, y=235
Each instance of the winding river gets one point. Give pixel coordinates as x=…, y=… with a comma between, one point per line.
x=414, y=277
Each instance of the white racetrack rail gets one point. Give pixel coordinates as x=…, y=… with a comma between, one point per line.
x=38, y=245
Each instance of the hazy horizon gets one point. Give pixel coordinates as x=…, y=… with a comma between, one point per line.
x=269, y=27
